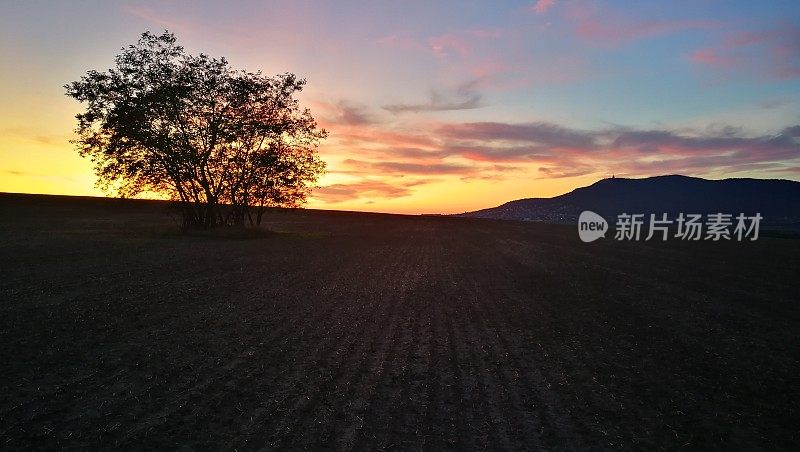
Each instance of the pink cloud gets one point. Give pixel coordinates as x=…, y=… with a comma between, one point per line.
x=541, y=6
x=616, y=28
x=488, y=68
x=562, y=151
x=445, y=45
x=710, y=57
x=360, y=135
x=341, y=113
x=770, y=54
x=458, y=43
x=462, y=42
x=498, y=150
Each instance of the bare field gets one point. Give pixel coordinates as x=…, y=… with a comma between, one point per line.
x=359, y=331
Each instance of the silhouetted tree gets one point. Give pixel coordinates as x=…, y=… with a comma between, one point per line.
x=227, y=143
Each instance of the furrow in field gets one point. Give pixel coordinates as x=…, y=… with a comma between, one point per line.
x=359, y=323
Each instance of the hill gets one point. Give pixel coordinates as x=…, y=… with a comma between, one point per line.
x=777, y=200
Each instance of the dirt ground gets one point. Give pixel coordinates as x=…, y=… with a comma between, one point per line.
x=373, y=332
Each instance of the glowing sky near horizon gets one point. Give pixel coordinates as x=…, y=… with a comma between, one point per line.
x=446, y=106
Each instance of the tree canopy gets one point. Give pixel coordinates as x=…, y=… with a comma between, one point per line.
x=226, y=143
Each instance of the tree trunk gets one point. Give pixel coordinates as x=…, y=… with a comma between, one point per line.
x=260, y=214
x=209, y=219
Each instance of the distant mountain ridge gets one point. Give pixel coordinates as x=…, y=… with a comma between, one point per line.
x=777, y=200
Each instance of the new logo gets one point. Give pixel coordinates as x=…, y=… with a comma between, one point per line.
x=591, y=226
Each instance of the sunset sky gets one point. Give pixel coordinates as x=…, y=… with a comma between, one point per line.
x=446, y=106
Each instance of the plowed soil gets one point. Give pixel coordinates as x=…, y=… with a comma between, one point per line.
x=373, y=332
